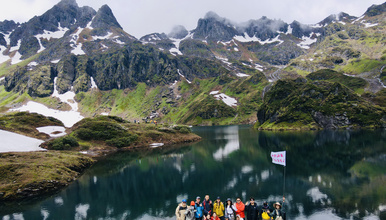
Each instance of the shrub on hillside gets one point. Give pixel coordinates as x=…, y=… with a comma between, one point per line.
x=62, y=143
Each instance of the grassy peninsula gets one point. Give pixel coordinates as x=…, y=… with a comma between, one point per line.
x=32, y=174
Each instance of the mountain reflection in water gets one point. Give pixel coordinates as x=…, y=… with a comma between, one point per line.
x=329, y=175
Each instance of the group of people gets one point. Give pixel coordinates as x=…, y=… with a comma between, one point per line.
x=217, y=210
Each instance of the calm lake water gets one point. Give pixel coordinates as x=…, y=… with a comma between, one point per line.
x=329, y=175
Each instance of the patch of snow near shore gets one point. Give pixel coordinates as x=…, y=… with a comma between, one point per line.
x=53, y=131
x=226, y=99
x=2, y=78
x=12, y=142
x=67, y=97
x=154, y=145
x=69, y=118
x=55, y=61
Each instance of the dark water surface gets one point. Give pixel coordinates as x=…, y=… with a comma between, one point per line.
x=329, y=175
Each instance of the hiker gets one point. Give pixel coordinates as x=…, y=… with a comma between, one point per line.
x=277, y=214
x=199, y=209
x=181, y=209
x=230, y=210
x=218, y=208
x=214, y=217
x=208, y=206
x=189, y=215
x=264, y=211
x=240, y=209
x=251, y=209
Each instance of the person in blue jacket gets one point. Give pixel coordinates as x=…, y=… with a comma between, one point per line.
x=199, y=209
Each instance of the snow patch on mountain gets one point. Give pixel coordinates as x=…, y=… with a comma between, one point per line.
x=247, y=38
x=93, y=84
x=241, y=75
x=179, y=73
x=107, y=36
x=226, y=99
x=119, y=42
x=224, y=60
x=177, y=42
x=77, y=47
x=368, y=25
x=289, y=31
x=307, y=41
x=358, y=19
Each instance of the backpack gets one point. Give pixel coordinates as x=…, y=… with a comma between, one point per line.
x=265, y=215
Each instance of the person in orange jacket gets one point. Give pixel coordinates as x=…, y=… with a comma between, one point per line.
x=240, y=208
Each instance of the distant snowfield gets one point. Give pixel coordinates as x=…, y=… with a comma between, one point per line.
x=12, y=142
x=247, y=38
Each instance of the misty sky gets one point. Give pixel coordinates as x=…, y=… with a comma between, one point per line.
x=140, y=17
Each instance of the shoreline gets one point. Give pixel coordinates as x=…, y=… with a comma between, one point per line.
x=20, y=179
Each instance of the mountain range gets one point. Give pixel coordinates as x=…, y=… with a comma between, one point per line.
x=218, y=73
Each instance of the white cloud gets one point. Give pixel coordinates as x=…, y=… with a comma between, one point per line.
x=140, y=17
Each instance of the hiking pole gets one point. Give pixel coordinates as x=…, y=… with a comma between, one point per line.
x=284, y=187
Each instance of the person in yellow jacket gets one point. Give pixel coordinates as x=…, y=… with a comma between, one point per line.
x=218, y=208
x=181, y=210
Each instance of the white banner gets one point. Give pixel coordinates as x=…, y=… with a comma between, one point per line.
x=278, y=158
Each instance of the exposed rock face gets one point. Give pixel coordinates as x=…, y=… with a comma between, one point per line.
x=332, y=122
x=37, y=83
x=214, y=28
x=375, y=10
x=265, y=28
x=104, y=20
x=7, y=26
x=314, y=105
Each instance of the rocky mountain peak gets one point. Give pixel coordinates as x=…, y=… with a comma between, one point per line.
x=7, y=26
x=154, y=37
x=375, y=10
x=105, y=19
x=68, y=3
x=178, y=32
x=214, y=27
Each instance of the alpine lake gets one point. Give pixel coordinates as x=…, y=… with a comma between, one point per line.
x=329, y=175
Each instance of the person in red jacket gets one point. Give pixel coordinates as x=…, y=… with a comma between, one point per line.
x=240, y=208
